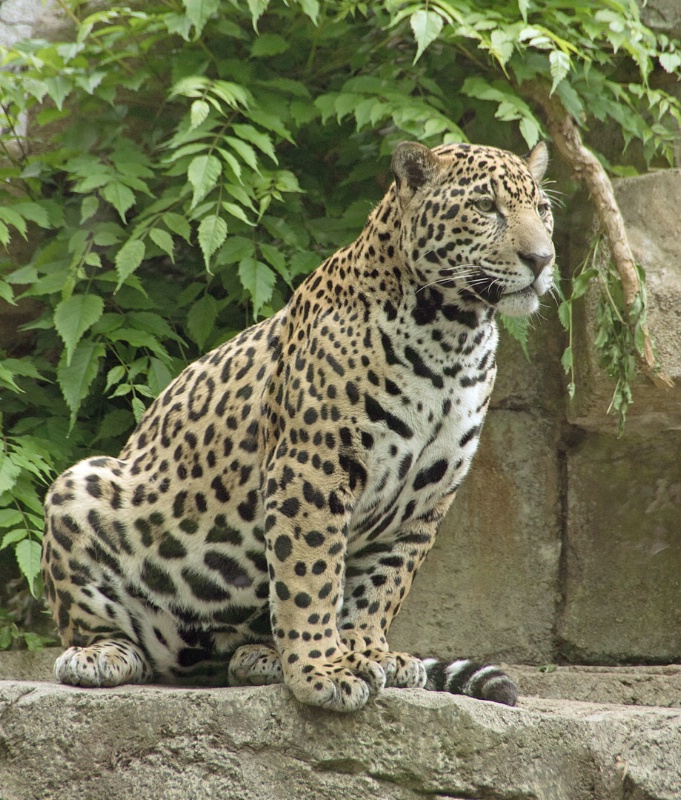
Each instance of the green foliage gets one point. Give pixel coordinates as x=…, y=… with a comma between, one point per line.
x=11, y=637
x=620, y=339
x=170, y=171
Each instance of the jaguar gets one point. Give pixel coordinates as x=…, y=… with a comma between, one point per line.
x=266, y=519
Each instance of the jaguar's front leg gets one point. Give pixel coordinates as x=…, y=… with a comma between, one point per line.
x=306, y=549
x=378, y=578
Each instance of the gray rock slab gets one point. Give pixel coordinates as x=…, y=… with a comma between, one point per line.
x=243, y=744
x=622, y=561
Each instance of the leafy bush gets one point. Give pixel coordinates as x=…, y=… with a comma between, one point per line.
x=172, y=169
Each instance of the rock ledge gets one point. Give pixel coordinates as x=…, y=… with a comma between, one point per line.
x=259, y=744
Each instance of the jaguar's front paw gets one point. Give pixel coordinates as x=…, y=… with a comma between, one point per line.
x=107, y=663
x=345, y=683
x=255, y=664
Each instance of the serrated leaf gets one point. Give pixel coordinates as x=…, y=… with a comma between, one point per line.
x=178, y=224
x=158, y=375
x=201, y=319
x=203, y=174
x=259, y=280
x=11, y=217
x=236, y=248
x=269, y=44
x=560, y=66
x=28, y=557
x=9, y=472
x=261, y=140
x=566, y=359
x=88, y=208
x=530, y=131
x=128, y=258
x=7, y=293
x=310, y=9
x=13, y=536
x=58, y=89
x=257, y=9
x=73, y=316
x=212, y=234
x=199, y=113
x=199, y=12
x=8, y=517
x=76, y=378
x=120, y=196
x=163, y=240
x=236, y=211
x=426, y=26
x=245, y=150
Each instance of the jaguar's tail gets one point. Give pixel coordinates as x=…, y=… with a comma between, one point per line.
x=482, y=681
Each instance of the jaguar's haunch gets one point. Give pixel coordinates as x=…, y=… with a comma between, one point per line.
x=268, y=515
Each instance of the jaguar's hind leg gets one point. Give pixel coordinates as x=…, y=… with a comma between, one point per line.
x=255, y=664
x=109, y=662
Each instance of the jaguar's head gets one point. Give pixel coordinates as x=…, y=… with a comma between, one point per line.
x=476, y=222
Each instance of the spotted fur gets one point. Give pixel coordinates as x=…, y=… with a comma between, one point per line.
x=270, y=511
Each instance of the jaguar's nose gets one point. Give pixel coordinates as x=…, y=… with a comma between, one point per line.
x=535, y=261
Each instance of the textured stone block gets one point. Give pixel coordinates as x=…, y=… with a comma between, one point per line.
x=489, y=586
x=622, y=565
x=258, y=744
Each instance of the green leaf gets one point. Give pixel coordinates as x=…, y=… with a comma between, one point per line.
x=58, y=89
x=257, y=9
x=427, y=26
x=199, y=12
x=178, y=224
x=88, y=208
x=199, y=113
x=9, y=517
x=76, y=378
x=259, y=280
x=120, y=196
x=310, y=8
x=566, y=359
x=73, y=316
x=261, y=140
x=163, y=240
x=128, y=258
x=201, y=319
x=7, y=293
x=28, y=557
x=14, y=536
x=269, y=44
x=203, y=174
x=212, y=234
x=235, y=249
x=11, y=217
x=159, y=376
x=560, y=66
x=9, y=472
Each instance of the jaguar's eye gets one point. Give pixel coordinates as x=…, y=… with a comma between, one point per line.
x=543, y=208
x=485, y=204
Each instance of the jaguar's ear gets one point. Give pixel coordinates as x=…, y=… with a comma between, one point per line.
x=538, y=161
x=413, y=165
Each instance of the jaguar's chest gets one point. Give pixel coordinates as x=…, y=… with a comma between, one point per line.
x=423, y=440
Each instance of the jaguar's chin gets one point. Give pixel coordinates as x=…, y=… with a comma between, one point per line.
x=519, y=304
